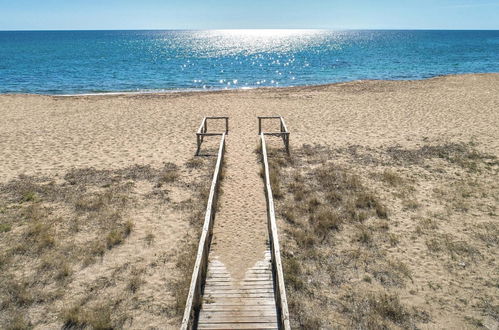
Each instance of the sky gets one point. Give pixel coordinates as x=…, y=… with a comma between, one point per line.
x=247, y=14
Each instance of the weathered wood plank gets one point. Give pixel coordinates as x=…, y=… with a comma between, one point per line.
x=261, y=326
x=249, y=302
x=244, y=313
x=217, y=295
x=237, y=319
x=237, y=308
x=239, y=290
x=253, y=285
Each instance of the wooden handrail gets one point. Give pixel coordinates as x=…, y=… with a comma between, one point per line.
x=284, y=133
x=280, y=290
x=203, y=130
x=196, y=288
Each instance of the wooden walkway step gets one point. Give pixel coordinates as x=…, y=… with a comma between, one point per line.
x=246, y=304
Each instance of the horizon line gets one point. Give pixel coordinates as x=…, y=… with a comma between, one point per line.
x=242, y=29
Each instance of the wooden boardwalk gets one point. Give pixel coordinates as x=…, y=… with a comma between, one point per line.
x=247, y=304
x=247, y=292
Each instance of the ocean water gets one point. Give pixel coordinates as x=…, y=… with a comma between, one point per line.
x=73, y=62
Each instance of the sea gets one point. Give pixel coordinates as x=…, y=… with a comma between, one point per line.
x=85, y=62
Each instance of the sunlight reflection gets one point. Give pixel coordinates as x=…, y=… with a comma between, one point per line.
x=248, y=42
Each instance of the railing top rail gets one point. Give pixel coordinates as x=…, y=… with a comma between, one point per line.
x=210, y=134
x=283, y=303
x=275, y=133
x=189, y=305
x=269, y=117
x=281, y=119
x=217, y=117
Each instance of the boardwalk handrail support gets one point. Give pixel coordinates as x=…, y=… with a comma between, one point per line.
x=284, y=133
x=196, y=288
x=203, y=130
x=280, y=290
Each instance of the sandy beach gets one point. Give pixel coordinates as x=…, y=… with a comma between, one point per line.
x=48, y=136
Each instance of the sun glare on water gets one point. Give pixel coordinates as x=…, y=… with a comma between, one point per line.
x=251, y=41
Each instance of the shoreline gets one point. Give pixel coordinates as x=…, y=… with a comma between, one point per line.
x=244, y=89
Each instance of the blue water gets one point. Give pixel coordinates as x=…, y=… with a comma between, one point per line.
x=68, y=62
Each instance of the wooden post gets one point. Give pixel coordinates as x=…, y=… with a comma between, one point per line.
x=199, y=144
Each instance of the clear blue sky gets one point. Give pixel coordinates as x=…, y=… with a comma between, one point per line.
x=233, y=14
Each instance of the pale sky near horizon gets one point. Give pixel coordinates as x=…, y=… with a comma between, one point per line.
x=247, y=14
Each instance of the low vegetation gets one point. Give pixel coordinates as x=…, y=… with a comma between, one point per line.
x=388, y=238
x=81, y=247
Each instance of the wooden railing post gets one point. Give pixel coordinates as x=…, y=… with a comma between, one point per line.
x=283, y=131
x=203, y=131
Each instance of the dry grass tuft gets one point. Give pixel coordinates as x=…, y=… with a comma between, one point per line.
x=98, y=317
x=18, y=322
x=376, y=310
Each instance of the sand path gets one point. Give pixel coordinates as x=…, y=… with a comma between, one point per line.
x=240, y=230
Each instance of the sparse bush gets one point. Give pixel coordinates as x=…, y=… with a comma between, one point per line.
x=5, y=227
x=169, y=177
x=134, y=282
x=363, y=235
x=411, y=204
x=149, y=238
x=391, y=273
x=98, y=317
x=195, y=162
x=293, y=274
x=375, y=310
x=29, y=196
x=326, y=220
x=392, y=178
x=18, y=322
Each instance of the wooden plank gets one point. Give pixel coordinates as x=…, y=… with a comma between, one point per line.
x=217, y=117
x=238, y=308
x=267, y=264
x=217, y=295
x=251, y=285
x=237, y=319
x=246, y=301
x=210, y=134
x=261, y=326
x=239, y=290
x=218, y=275
x=245, y=313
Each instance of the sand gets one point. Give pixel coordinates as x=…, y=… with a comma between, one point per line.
x=47, y=135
